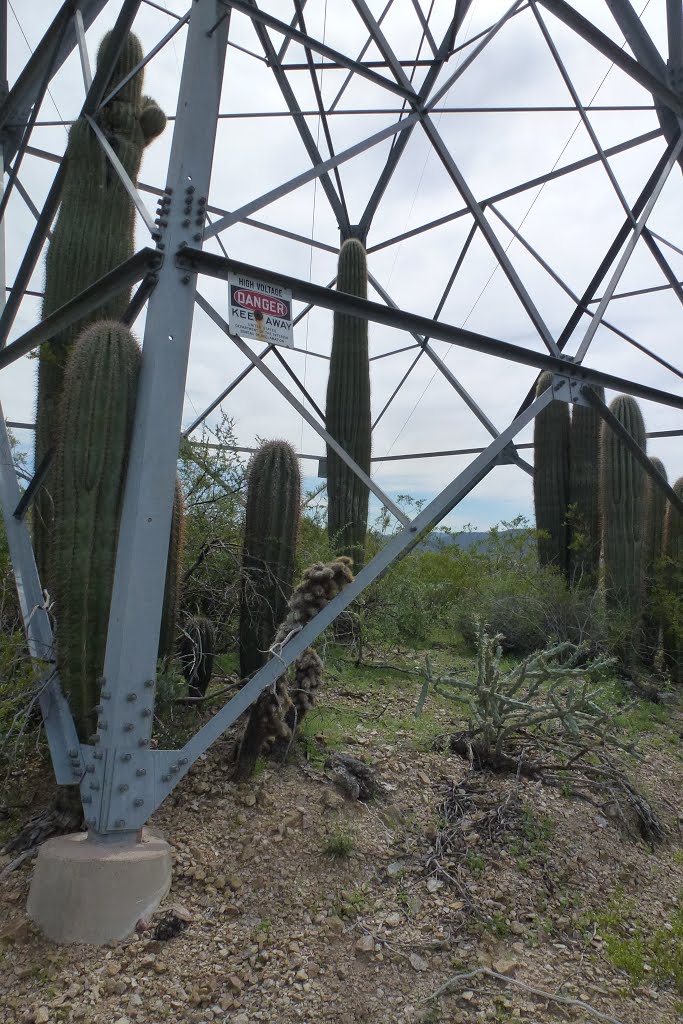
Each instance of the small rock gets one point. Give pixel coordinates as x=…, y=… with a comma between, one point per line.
x=332, y=799
x=365, y=945
x=249, y=799
x=42, y=1015
x=113, y=967
x=434, y=884
x=506, y=967
x=235, y=983
x=392, y=920
x=241, y=1018
x=517, y=928
x=160, y=967
x=396, y=868
x=301, y=975
x=417, y=962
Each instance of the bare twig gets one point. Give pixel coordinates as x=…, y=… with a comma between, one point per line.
x=531, y=989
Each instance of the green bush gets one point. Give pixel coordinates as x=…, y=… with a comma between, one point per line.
x=212, y=480
x=528, y=604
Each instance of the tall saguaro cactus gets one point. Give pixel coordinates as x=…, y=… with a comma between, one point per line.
x=623, y=497
x=551, y=479
x=347, y=412
x=93, y=234
x=584, y=492
x=270, y=534
x=653, y=550
x=100, y=389
x=673, y=624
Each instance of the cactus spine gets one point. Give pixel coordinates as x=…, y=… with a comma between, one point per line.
x=551, y=479
x=347, y=412
x=93, y=234
x=197, y=650
x=673, y=624
x=270, y=533
x=97, y=415
x=653, y=550
x=584, y=492
x=623, y=496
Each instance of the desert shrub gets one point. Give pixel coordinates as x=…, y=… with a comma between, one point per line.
x=212, y=478
x=528, y=604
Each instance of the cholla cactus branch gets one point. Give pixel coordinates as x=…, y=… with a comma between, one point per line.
x=547, y=692
x=279, y=710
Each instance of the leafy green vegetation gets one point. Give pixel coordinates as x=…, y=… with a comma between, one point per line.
x=339, y=844
x=640, y=951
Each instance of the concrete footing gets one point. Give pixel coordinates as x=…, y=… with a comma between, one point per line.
x=93, y=891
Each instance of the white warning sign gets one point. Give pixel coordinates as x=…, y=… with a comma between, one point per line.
x=260, y=310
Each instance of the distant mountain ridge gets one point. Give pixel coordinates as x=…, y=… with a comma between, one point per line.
x=438, y=539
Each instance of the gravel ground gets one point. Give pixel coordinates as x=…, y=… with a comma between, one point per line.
x=276, y=929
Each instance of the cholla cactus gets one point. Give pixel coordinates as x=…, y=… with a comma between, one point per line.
x=277, y=712
x=197, y=650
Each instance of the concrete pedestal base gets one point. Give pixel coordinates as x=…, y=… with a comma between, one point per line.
x=87, y=891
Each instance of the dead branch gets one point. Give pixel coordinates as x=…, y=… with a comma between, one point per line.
x=551, y=997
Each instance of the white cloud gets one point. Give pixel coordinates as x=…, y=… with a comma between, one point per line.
x=571, y=222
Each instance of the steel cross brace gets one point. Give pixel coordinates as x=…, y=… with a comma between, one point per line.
x=195, y=260
x=65, y=750
x=571, y=17
x=311, y=420
x=456, y=176
x=628, y=251
x=159, y=772
x=15, y=111
x=20, y=94
x=424, y=346
x=585, y=307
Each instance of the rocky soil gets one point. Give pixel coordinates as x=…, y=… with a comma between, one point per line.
x=292, y=902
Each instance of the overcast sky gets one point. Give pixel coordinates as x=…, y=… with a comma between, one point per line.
x=570, y=221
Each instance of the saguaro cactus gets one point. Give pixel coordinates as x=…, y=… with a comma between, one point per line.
x=270, y=533
x=551, y=479
x=623, y=497
x=347, y=412
x=673, y=619
x=653, y=550
x=100, y=388
x=584, y=492
x=93, y=234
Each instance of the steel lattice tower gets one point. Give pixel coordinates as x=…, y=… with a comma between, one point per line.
x=412, y=76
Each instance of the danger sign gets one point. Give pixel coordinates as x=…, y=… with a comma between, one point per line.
x=260, y=310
